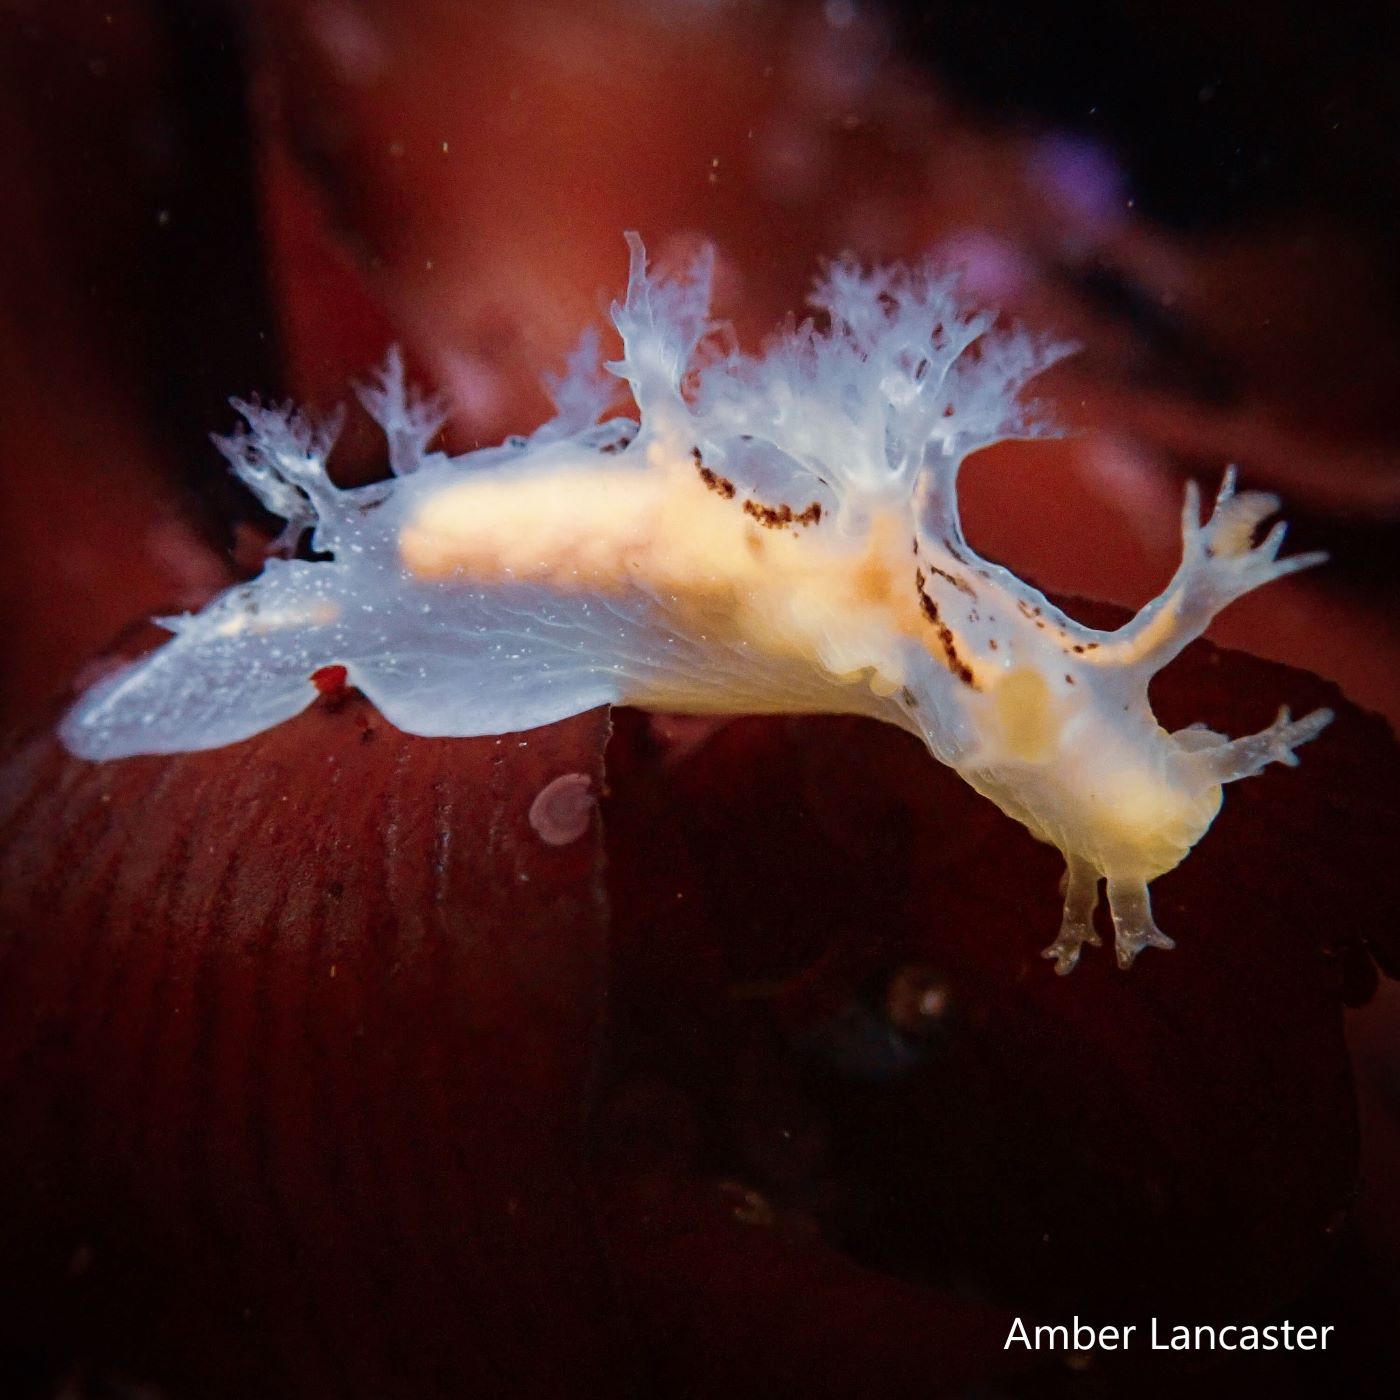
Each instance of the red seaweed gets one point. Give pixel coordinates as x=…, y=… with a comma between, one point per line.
x=294, y=1048
x=297, y=1038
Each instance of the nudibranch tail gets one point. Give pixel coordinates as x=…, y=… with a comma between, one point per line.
x=769, y=533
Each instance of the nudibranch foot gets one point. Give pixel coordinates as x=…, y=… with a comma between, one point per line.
x=1133, y=926
x=1080, y=888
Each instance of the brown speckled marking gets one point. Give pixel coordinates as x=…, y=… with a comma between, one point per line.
x=951, y=659
x=623, y=442
x=961, y=584
x=1030, y=614
x=992, y=642
x=1069, y=679
x=909, y=697
x=954, y=551
x=721, y=485
x=775, y=517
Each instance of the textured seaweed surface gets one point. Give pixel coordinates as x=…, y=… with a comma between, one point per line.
x=321, y=1074
x=295, y=1046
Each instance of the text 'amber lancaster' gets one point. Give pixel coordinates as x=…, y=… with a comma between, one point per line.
x=1160, y=1336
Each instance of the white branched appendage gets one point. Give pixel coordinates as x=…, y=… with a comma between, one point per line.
x=1219, y=563
x=767, y=533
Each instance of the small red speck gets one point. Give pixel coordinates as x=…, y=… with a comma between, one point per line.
x=329, y=680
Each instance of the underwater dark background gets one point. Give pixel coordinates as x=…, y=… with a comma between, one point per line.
x=320, y=1075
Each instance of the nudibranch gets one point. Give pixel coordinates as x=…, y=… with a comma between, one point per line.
x=770, y=533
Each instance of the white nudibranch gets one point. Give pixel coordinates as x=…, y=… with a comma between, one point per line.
x=771, y=533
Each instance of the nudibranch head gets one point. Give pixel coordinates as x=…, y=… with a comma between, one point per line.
x=775, y=532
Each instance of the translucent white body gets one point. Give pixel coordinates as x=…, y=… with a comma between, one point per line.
x=776, y=533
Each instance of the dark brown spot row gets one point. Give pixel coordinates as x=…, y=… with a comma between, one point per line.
x=946, y=640
x=621, y=442
x=961, y=584
x=775, y=517
x=954, y=549
x=721, y=485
